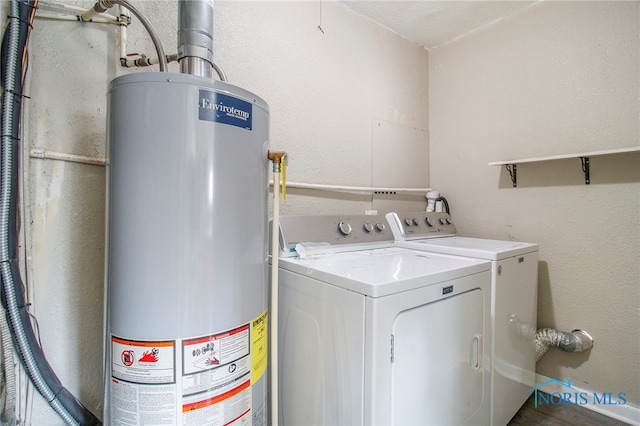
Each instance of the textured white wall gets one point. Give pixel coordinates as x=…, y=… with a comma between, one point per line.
x=556, y=78
x=325, y=91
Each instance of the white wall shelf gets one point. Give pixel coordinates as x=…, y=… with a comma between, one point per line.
x=512, y=165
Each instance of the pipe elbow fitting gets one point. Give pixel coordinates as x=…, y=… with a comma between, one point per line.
x=277, y=158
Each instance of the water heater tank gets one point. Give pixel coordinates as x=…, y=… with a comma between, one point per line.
x=186, y=339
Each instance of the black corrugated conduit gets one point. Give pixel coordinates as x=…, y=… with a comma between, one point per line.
x=13, y=299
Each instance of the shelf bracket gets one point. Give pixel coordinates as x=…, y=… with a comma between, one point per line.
x=512, y=169
x=585, y=169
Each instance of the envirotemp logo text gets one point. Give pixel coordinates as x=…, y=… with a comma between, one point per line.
x=225, y=109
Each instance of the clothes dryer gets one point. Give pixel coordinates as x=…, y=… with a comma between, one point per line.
x=514, y=290
x=373, y=334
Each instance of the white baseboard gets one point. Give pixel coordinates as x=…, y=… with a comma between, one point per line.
x=625, y=413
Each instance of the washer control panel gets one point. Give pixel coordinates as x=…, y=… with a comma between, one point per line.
x=334, y=230
x=415, y=225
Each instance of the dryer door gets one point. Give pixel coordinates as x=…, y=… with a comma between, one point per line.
x=437, y=367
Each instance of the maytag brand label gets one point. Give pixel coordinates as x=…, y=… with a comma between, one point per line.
x=224, y=109
x=447, y=290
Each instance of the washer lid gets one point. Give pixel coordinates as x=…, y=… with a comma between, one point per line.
x=384, y=271
x=472, y=247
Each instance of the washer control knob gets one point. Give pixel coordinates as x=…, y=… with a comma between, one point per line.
x=408, y=222
x=367, y=227
x=444, y=221
x=416, y=222
x=429, y=222
x=344, y=228
x=380, y=227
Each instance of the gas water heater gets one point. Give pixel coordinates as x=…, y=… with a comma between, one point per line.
x=187, y=291
x=187, y=276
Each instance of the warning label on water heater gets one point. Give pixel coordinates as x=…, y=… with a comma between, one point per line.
x=205, y=354
x=204, y=380
x=224, y=109
x=216, y=377
x=143, y=362
x=259, y=346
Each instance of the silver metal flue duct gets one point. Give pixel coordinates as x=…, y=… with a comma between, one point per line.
x=195, y=37
x=576, y=341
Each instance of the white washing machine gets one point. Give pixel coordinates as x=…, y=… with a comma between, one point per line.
x=372, y=334
x=514, y=294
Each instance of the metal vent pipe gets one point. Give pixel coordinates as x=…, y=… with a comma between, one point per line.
x=195, y=37
x=576, y=341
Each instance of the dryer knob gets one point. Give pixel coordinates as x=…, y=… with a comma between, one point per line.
x=429, y=222
x=344, y=228
x=380, y=227
x=416, y=222
x=444, y=221
x=367, y=227
x=408, y=222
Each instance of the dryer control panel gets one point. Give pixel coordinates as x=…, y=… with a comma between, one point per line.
x=336, y=232
x=419, y=225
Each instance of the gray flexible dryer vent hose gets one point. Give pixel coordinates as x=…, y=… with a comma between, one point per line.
x=576, y=341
